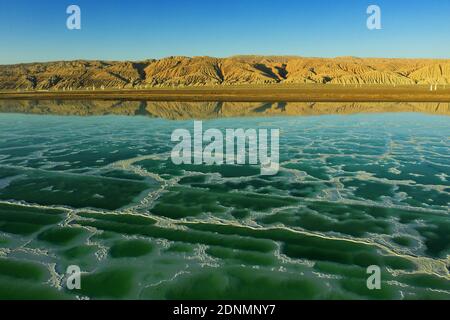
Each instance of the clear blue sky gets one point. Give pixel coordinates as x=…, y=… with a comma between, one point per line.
x=33, y=30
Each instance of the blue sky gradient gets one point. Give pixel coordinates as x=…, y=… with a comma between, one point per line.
x=136, y=30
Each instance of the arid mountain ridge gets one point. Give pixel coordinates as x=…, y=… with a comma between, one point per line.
x=209, y=71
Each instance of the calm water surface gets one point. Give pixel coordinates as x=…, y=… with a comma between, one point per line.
x=101, y=192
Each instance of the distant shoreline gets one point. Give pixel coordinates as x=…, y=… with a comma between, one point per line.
x=269, y=93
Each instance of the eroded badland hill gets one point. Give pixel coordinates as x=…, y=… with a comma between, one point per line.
x=208, y=71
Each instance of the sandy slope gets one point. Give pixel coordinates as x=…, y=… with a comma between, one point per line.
x=209, y=71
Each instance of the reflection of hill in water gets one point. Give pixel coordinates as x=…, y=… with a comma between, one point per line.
x=205, y=110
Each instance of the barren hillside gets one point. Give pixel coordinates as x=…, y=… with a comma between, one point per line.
x=208, y=71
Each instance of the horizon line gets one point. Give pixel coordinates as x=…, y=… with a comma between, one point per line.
x=225, y=57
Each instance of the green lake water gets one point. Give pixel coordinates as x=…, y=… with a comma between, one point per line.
x=101, y=192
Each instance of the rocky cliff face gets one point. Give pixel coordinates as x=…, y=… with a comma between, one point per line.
x=207, y=71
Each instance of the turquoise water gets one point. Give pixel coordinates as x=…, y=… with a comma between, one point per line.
x=101, y=192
